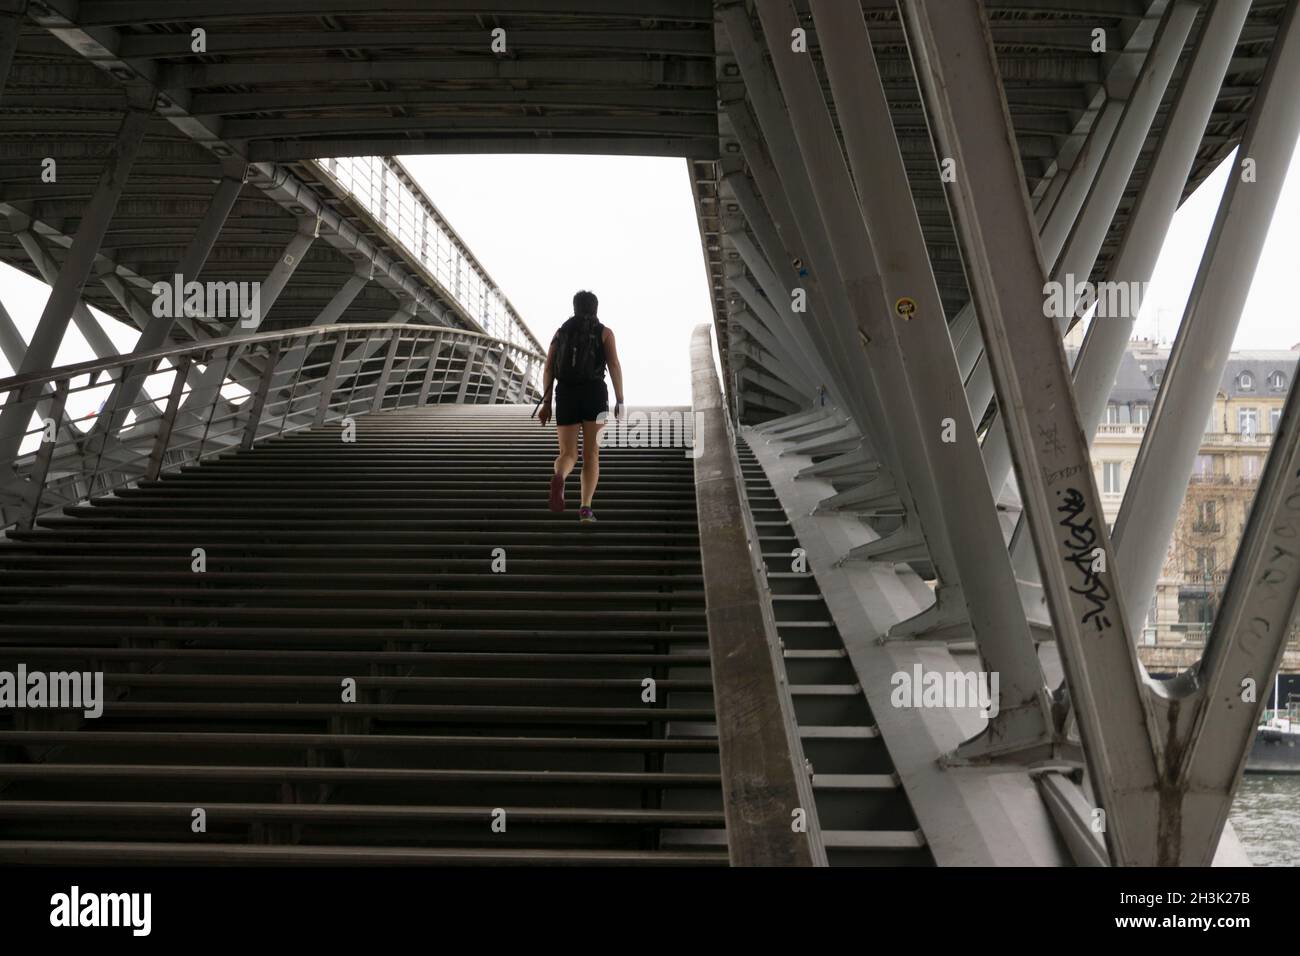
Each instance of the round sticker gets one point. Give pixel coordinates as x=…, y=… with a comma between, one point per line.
x=905, y=307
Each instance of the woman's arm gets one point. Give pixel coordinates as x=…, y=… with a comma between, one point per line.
x=548, y=383
x=615, y=371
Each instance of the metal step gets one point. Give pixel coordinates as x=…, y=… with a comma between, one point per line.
x=473, y=688
x=862, y=809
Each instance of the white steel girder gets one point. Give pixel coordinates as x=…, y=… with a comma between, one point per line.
x=1164, y=779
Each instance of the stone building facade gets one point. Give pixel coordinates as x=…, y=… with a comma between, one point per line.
x=1238, y=434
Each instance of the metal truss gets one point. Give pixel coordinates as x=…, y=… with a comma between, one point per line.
x=1163, y=759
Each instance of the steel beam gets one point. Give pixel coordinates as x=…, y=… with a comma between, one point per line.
x=10, y=24
x=1153, y=212
x=1080, y=252
x=157, y=328
x=767, y=313
x=1247, y=643
x=792, y=334
x=12, y=344
x=86, y=323
x=966, y=510
x=284, y=269
x=1174, y=434
x=66, y=292
x=1054, y=220
x=957, y=69
x=329, y=315
x=207, y=385
x=773, y=158
x=786, y=366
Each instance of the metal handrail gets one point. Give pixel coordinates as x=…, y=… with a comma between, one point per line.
x=414, y=222
x=208, y=401
x=95, y=366
x=765, y=776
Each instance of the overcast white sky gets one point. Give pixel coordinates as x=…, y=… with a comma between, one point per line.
x=624, y=227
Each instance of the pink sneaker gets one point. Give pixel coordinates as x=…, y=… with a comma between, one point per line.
x=557, y=493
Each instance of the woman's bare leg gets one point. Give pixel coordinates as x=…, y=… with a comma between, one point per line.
x=568, y=457
x=564, y=462
x=590, y=460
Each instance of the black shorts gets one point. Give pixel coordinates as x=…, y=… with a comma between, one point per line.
x=580, y=402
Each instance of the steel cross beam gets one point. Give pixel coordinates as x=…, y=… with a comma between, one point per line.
x=1173, y=436
x=1244, y=649
x=1153, y=212
x=768, y=238
x=77, y=266
x=85, y=322
x=14, y=347
x=10, y=22
x=101, y=46
x=1159, y=761
x=773, y=158
x=207, y=385
x=1080, y=252
x=768, y=354
x=957, y=69
x=1149, y=221
x=158, y=328
x=1057, y=210
x=1053, y=220
x=766, y=309
x=780, y=365
x=891, y=266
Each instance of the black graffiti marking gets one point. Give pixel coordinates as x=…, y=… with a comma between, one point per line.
x=1082, y=541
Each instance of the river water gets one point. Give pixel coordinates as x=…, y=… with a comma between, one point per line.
x=1266, y=816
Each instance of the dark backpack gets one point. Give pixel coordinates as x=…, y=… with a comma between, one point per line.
x=579, y=352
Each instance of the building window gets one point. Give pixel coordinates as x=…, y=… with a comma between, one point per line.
x=1277, y=381
x=1246, y=382
x=1207, y=467
x=1141, y=413
x=1205, y=561
x=1112, y=413
x=1251, y=466
x=1207, y=515
x=1111, y=475
x=1274, y=416
x=1248, y=422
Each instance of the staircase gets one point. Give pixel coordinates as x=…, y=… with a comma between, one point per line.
x=498, y=655
x=865, y=816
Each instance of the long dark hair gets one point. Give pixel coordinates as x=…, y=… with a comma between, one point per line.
x=585, y=303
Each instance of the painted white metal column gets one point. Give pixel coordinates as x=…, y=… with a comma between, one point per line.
x=1173, y=435
x=1104, y=346
x=951, y=47
x=1080, y=253
x=1153, y=212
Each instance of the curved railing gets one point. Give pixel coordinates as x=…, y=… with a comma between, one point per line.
x=71, y=433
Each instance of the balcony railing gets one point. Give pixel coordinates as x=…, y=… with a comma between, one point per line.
x=1121, y=428
x=1256, y=439
x=1195, y=579
x=1196, y=633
